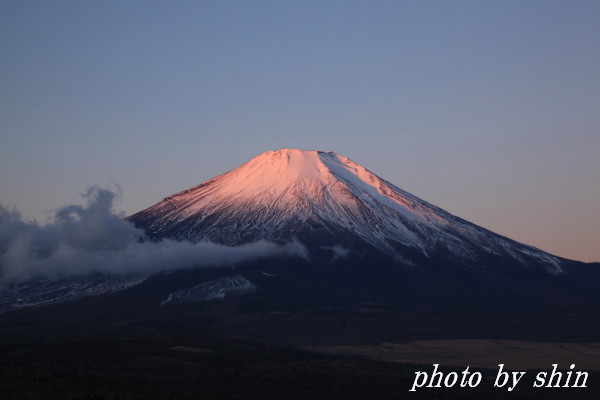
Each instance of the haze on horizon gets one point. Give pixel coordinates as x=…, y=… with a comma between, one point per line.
x=488, y=110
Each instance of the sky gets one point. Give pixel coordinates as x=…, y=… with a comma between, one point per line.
x=488, y=109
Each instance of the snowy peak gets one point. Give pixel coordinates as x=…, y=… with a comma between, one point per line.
x=326, y=200
x=291, y=175
x=276, y=171
x=288, y=164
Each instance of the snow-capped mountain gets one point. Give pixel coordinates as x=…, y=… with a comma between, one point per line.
x=328, y=203
x=377, y=265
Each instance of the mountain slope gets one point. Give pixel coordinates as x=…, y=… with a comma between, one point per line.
x=329, y=203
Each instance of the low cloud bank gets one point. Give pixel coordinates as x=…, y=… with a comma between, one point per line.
x=81, y=240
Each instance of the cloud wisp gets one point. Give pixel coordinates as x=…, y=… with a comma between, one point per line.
x=81, y=240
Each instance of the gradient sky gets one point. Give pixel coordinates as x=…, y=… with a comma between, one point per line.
x=488, y=109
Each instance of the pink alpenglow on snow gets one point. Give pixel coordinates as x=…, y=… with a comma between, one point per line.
x=292, y=194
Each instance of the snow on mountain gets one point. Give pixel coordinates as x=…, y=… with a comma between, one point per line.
x=306, y=195
x=217, y=289
x=46, y=292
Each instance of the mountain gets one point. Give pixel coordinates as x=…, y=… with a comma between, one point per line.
x=366, y=243
x=335, y=208
x=387, y=277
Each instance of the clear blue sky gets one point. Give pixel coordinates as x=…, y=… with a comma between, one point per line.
x=489, y=109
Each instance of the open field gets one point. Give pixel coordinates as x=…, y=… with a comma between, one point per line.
x=147, y=364
x=515, y=354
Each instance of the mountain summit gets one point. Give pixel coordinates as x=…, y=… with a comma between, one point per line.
x=381, y=266
x=329, y=203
